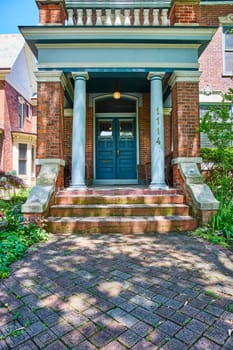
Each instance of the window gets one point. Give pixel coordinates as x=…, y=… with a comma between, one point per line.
x=28, y=110
x=228, y=53
x=33, y=159
x=20, y=115
x=205, y=142
x=22, y=166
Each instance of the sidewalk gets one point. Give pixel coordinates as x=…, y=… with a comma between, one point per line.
x=168, y=292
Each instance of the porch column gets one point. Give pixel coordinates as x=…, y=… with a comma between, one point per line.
x=79, y=132
x=157, y=132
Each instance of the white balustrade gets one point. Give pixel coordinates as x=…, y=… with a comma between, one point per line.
x=165, y=20
x=108, y=19
x=99, y=17
x=89, y=21
x=117, y=17
x=137, y=17
x=127, y=21
x=79, y=17
x=155, y=17
x=70, y=20
x=146, y=19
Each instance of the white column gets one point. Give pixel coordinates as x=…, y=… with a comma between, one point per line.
x=157, y=132
x=79, y=132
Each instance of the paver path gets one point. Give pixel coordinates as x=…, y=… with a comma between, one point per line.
x=169, y=292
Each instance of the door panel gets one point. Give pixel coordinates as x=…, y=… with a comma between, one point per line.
x=116, y=148
x=105, y=150
x=126, y=153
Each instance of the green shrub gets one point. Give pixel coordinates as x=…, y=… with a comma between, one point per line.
x=16, y=235
x=217, y=124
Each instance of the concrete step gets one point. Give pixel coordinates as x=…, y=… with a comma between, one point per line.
x=119, y=210
x=121, y=224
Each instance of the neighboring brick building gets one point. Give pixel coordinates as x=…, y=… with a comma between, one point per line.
x=147, y=52
x=216, y=66
x=17, y=108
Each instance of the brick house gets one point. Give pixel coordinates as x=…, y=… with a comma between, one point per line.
x=17, y=108
x=216, y=67
x=118, y=89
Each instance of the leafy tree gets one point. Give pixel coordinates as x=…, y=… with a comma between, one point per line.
x=217, y=123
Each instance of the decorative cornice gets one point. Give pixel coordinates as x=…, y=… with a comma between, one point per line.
x=19, y=137
x=51, y=77
x=185, y=2
x=227, y=20
x=4, y=73
x=184, y=76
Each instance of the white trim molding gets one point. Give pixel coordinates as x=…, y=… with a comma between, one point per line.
x=184, y=76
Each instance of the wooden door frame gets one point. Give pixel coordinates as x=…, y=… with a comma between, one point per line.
x=119, y=115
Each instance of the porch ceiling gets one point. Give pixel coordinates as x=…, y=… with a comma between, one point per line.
x=127, y=82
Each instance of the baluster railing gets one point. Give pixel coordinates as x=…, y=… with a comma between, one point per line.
x=108, y=19
x=127, y=21
x=70, y=20
x=165, y=20
x=117, y=17
x=155, y=17
x=137, y=17
x=79, y=17
x=146, y=19
x=99, y=21
x=89, y=21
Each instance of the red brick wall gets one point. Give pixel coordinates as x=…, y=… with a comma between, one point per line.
x=211, y=66
x=184, y=13
x=205, y=15
x=209, y=14
x=10, y=123
x=89, y=139
x=50, y=121
x=185, y=119
x=51, y=13
x=144, y=130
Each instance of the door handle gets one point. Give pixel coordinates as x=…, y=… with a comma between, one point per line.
x=118, y=152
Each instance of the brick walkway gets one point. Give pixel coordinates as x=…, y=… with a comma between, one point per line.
x=169, y=292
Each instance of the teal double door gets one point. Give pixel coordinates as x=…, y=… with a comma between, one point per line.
x=116, y=152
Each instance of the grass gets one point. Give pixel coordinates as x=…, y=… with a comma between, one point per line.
x=16, y=234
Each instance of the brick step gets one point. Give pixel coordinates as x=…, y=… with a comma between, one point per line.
x=121, y=224
x=75, y=199
x=119, y=210
x=119, y=191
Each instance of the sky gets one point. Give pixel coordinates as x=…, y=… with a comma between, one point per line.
x=17, y=12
